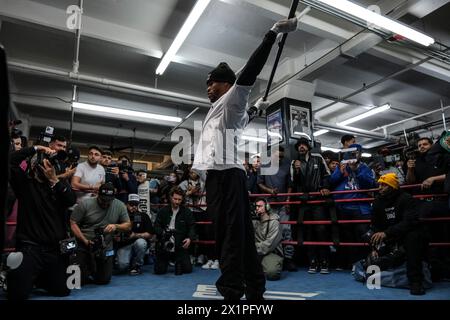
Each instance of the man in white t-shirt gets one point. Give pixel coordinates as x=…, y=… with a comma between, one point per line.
x=89, y=175
x=144, y=193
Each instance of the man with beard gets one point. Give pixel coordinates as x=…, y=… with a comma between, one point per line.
x=89, y=175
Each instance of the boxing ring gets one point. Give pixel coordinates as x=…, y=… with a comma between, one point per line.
x=339, y=285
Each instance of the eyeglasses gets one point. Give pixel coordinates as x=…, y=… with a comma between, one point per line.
x=133, y=204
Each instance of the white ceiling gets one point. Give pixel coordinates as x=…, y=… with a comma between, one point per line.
x=124, y=41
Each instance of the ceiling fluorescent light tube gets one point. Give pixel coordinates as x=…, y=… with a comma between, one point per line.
x=380, y=21
x=320, y=132
x=330, y=149
x=250, y=138
x=123, y=112
x=190, y=22
x=365, y=114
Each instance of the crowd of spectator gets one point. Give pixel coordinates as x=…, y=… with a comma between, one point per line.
x=122, y=219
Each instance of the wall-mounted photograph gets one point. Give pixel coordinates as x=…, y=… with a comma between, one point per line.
x=300, y=122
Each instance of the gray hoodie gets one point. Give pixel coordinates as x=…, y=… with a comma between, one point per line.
x=268, y=235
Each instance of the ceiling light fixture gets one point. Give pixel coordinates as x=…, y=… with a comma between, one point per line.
x=380, y=21
x=320, y=132
x=124, y=112
x=364, y=115
x=191, y=20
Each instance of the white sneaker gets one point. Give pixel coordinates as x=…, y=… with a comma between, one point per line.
x=208, y=265
x=215, y=265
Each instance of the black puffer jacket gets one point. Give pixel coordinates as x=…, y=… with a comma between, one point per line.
x=395, y=214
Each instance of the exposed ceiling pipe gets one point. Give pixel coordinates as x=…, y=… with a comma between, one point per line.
x=415, y=117
x=339, y=48
x=373, y=84
x=436, y=123
x=108, y=84
x=360, y=132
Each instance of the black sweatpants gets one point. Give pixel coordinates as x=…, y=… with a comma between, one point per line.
x=99, y=268
x=181, y=257
x=416, y=247
x=228, y=204
x=42, y=266
x=317, y=233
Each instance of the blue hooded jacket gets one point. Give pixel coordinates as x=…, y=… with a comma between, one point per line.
x=360, y=179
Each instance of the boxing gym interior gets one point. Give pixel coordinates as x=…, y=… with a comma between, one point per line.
x=119, y=181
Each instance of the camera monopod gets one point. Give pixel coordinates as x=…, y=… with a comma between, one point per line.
x=281, y=43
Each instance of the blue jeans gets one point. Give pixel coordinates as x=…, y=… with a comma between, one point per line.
x=133, y=253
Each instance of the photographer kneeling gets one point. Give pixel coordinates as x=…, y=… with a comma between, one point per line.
x=134, y=244
x=175, y=229
x=41, y=225
x=93, y=222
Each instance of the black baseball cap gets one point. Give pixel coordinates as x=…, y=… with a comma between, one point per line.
x=106, y=192
x=303, y=141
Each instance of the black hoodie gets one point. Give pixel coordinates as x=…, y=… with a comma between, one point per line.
x=394, y=214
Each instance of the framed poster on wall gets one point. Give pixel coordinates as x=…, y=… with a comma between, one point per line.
x=300, y=122
x=274, y=128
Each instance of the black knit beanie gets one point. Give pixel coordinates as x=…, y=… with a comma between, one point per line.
x=222, y=73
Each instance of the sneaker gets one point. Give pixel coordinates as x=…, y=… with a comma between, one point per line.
x=416, y=289
x=208, y=265
x=201, y=260
x=215, y=265
x=135, y=271
x=324, y=268
x=312, y=267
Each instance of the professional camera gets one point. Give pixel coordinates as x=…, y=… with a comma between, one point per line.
x=367, y=236
x=124, y=167
x=110, y=167
x=388, y=258
x=55, y=159
x=68, y=246
x=98, y=241
x=411, y=153
x=46, y=136
x=167, y=240
x=73, y=155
